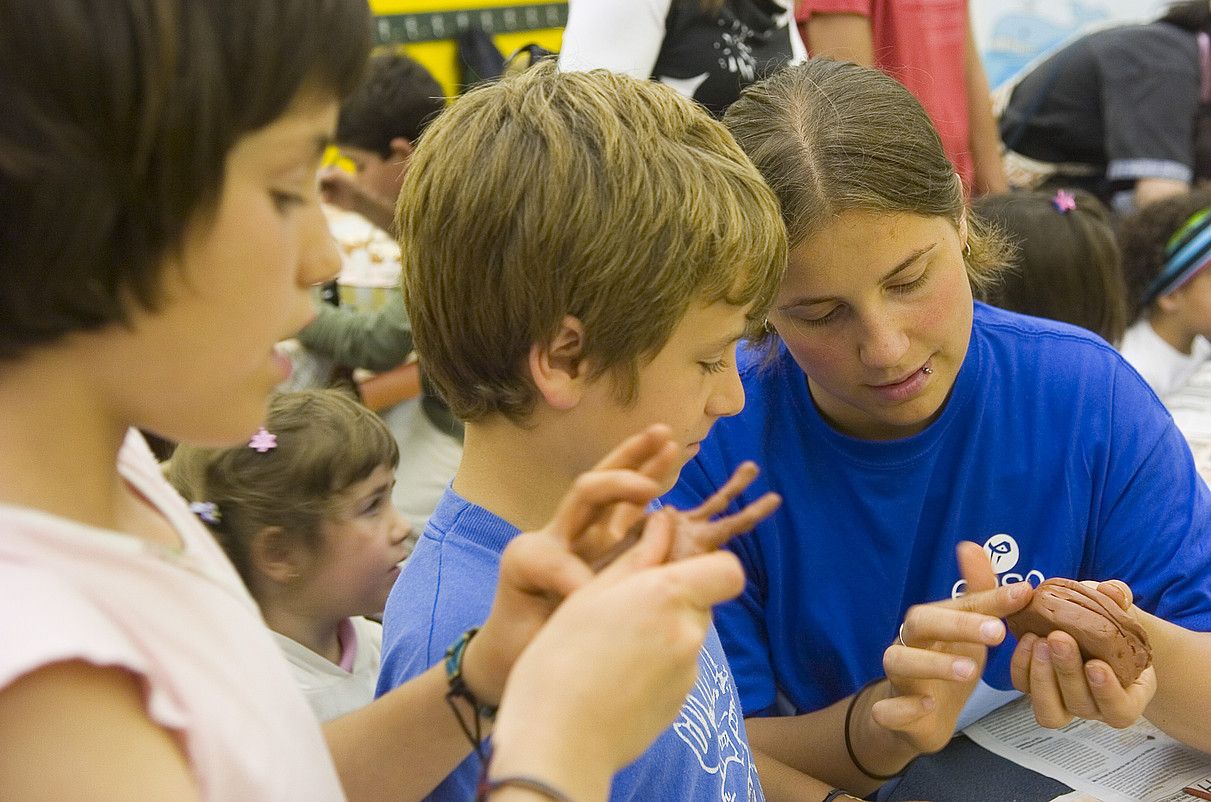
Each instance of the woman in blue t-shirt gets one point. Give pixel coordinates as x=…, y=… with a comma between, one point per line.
x=898, y=419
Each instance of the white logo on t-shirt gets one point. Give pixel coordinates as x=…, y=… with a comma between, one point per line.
x=1003, y=552
x=710, y=716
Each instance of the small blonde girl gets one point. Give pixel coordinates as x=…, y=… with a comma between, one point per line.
x=304, y=512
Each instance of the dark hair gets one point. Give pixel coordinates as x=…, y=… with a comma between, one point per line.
x=1067, y=265
x=1191, y=15
x=118, y=118
x=326, y=442
x=398, y=98
x=1143, y=236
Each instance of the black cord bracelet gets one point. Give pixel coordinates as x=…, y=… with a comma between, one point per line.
x=528, y=783
x=849, y=744
x=458, y=690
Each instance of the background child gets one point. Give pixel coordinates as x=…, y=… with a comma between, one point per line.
x=1067, y=264
x=1166, y=246
x=310, y=526
x=377, y=129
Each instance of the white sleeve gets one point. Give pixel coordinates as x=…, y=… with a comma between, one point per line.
x=617, y=35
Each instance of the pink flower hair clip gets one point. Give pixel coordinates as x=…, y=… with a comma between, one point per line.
x=263, y=441
x=1064, y=201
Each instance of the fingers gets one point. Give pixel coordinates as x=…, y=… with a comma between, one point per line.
x=975, y=567
x=637, y=449
x=905, y=662
x=642, y=548
x=717, y=533
x=1119, y=591
x=741, y=478
x=541, y=565
x=592, y=492
x=998, y=602
x=973, y=618
x=901, y=712
x=705, y=580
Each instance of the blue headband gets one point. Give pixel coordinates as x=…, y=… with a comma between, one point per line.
x=1187, y=252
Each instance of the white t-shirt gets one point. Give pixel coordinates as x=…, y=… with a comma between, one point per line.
x=1165, y=368
x=334, y=690
x=181, y=621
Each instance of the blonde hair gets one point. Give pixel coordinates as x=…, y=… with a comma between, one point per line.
x=326, y=442
x=593, y=194
x=831, y=136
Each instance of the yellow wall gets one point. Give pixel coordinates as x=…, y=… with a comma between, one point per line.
x=440, y=56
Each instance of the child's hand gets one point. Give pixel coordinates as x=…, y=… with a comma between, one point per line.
x=1062, y=687
x=934, y=668
x=538, y=569
x=636, y=629
x=695, y=533
x=693, y=530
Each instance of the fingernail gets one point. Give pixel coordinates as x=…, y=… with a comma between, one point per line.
x=1096, y=675
x=928, y=704
x=992, y=630
x=964, y=668
x=1061, y=650
x=1018, y=589
x=1042, y=652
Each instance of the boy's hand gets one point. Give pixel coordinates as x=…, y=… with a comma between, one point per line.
x=636, y=628
x=538, y=569
x=1062, y=687
x=934, y=668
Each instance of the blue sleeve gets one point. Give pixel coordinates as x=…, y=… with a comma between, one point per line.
x=740, y=622
x=441, y=593
x=1154, y=514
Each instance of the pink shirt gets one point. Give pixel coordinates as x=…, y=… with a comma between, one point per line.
x=181, y=621
x=923, y=45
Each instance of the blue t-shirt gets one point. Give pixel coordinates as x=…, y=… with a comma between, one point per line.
x=447, y=586
x=1051, y=452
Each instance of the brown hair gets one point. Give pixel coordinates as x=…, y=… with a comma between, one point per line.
x=1066, y=265
x=1143, y=236
x=593, y=194
x=118, y=118
x=831, y=136
x=326, y=441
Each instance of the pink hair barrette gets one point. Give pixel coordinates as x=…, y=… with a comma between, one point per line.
x=1064, y=201
x=263, y=441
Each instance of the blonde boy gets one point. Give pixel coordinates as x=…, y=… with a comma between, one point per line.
x=583, y=252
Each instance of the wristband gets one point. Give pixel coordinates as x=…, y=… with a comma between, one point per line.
x=458, y=690
x=519, y=781
x=849, y=744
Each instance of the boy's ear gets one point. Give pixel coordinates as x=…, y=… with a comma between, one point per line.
x=558, y=367
x=401, y=150
x=277, y=556
x=963, y=230
x=1170, y=303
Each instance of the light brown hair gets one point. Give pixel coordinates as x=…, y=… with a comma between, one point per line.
x=831, y=136
x=593, y=194
x=326, y=441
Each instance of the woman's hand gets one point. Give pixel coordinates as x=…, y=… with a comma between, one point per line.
x=944, y=647
x=1062, y=687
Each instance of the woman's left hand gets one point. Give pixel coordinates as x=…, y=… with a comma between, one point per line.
x=1061, y=686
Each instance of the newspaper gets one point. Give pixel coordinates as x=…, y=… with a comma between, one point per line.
x=1102, y=764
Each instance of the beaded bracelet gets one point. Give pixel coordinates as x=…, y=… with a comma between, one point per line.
x=849, y=744
x=519, y=781
x=458, y=689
